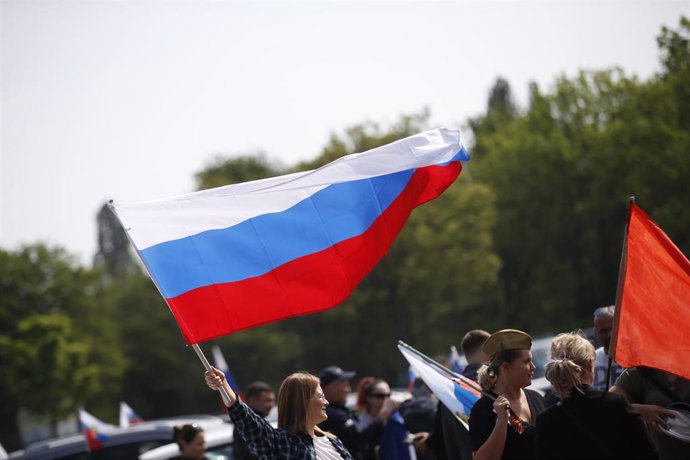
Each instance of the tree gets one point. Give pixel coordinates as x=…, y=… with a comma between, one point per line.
x=52, y=371
x=562, y=173
x=56, y=336
x=225, y=171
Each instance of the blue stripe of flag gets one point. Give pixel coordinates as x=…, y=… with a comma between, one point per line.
x=256, y=246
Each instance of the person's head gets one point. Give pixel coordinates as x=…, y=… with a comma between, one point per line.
x=571, y=362
x=472, y=343
x=371, y=393
x=190, y=440
x=336, y=384
x=301, y=403
x=603, y=325
x=510, y=360
x=260, y=397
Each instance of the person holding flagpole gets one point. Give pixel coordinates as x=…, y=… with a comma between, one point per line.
x=502, y=421
x=652, y=393
x=301, y=407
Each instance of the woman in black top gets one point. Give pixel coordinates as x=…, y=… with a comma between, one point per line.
x=502, y=421
x=586, y=424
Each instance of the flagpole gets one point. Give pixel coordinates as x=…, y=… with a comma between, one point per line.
x=195, y=346
x=207, y=366
x=619, y=292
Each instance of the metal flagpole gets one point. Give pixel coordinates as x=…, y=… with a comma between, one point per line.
x=195, y=346
x=619, y=292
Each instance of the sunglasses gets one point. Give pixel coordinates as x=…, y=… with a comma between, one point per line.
x=380, y=395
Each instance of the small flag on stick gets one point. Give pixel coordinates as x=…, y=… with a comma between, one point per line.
x=127, y=416
x=95, y=430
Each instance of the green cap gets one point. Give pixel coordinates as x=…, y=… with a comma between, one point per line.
x=507, y=339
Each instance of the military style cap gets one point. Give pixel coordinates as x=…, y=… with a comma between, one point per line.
x=507, y=339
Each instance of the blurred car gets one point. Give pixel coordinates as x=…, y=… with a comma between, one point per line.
x=120, y=443
x=540, y=356
x=218, y=439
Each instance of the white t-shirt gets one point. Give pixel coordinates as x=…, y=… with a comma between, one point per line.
x=324, y=449
x=601, y=363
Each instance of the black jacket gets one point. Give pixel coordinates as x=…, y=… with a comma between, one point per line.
x=592, y=425
x=342, y=422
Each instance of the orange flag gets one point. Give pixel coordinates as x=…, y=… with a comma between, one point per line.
x=652, y=325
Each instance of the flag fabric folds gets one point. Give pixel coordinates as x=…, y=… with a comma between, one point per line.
x=95, y=430
x=243, y=255
x=128, y=416
x=653, y=312
x=456, y=393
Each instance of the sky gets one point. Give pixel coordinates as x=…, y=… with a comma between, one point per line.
x=127, y=100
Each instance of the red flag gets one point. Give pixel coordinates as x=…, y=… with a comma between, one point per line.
x=653, y=313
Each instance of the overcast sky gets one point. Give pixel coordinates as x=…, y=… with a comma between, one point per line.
x=128, y=99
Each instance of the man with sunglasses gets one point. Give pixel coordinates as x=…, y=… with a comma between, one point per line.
x=342, y=421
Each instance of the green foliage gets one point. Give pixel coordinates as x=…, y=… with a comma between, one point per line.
x=562, y=173
x=52, y=372
x=223, y=171
x=58, y=347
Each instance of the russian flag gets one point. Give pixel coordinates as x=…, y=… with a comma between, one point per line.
x=128, y=416
x=458, y=394
x=411, y=377
x=243, y=255
x=95, y=430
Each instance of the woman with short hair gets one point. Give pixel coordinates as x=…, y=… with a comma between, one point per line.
x=301, y=406
x=586, y=423
x=502, y=421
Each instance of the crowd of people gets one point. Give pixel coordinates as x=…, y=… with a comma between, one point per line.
x=581, y=417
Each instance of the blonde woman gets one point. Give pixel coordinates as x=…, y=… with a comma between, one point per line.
x=502, y=421
x=301, y=406
x=586, y=423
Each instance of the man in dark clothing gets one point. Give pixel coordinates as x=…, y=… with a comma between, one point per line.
x=261, y=398
x=450, y=439
x=474, y=353
x=341, y=421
